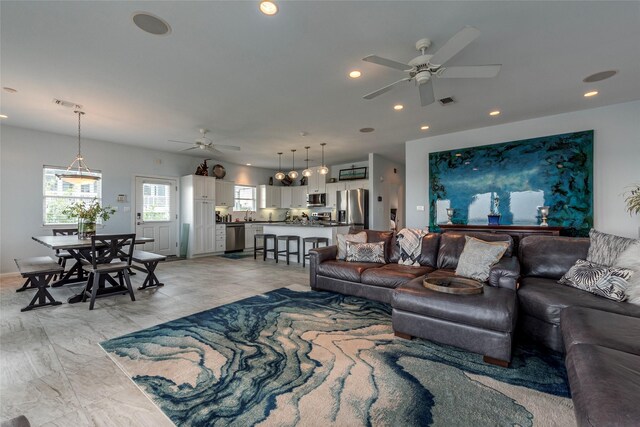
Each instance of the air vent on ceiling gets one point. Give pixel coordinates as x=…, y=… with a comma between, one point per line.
x=67, y=104
x=446, y=101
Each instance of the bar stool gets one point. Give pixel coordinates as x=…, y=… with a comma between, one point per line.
x=263, y=249
x=315, y=241
x=287, y=251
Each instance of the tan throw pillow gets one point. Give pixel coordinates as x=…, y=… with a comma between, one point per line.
x=365, y=252
x=478, y=257
x=630, y=259
x=342, y=242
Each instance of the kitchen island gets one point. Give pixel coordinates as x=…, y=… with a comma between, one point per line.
x=304, y=230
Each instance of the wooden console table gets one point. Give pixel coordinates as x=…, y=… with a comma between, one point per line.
x=517, y=232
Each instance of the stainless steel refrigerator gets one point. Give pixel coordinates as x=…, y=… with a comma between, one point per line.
x=353, y=207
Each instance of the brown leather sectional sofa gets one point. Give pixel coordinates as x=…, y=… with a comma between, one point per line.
x=601, y=338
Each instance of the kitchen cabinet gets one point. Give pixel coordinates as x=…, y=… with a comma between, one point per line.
x=225, y=193
x=286, y=197
x=299, y=197
x=332, y=193
x=197, y=205
x=221, y=238
x=268, y=196
x=316, y=183
x=250, y=230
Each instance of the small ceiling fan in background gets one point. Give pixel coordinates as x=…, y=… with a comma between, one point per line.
x=206, y=143
x=423, y=67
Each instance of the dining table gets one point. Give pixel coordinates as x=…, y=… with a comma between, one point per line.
x=80, y=250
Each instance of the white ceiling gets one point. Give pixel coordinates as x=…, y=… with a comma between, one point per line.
x=258, y=81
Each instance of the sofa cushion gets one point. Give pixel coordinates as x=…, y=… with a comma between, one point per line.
x=392, y=275
x=430, y=244
x=478, y=257
x=605, y=385
x=452, y=245
x=344, y=270
x=494, y=309
x=344, y=238
x=607, y=282
x=545, y=299
x=550, y=256
x=605, y=248
x=390, y=247
x=581, y=325
x=365, y=252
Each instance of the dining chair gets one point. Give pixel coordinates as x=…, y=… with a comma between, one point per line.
x=61, y=254
x=110, y=254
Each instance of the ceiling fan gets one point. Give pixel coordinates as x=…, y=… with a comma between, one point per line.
x=206, y=143
x=423, y=67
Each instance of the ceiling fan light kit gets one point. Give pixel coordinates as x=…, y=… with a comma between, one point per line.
x=279, y=175
x=293, y=174
x=81, y=175
x=206, y=143
x=422, y=68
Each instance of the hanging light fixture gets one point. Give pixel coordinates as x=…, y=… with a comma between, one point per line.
x=81, y=175
x=307, y=172
x=280, y=174
x=293, y=174
x=323, y=170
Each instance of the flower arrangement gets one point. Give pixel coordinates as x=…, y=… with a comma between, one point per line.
x=633, y=200
x=88, y=214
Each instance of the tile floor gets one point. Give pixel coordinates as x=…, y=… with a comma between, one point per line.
x=52, y=369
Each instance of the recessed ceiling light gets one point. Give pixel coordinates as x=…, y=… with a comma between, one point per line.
x=602, y=75
x=591, y=93
x=367, y=130
x=3, y=116
x=268, y=7
x=9, y=89
x=248, y=164
x=494, y=113
x=425, y=127
x=355, y=74
x=151, y=24
x=398, y=107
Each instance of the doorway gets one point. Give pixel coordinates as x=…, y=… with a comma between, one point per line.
x=156, y=214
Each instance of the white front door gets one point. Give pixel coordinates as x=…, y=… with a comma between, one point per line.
x=156, y=214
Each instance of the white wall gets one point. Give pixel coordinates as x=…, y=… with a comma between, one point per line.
x=386, y=183
x=616, y=159
x=23, y=152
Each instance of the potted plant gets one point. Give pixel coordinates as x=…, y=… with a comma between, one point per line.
x=88, y=214
x=633, y=200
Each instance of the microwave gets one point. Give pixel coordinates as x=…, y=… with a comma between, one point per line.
x=316, y=199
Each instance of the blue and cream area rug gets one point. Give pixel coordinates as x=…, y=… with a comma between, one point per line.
x=290, y=358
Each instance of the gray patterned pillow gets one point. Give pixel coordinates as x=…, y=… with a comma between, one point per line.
x=608, y=282
x=365, y=252
x=605, y=248
x=344, y=238
x=478, y=257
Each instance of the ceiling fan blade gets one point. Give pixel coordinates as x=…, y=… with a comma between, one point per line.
x=469, y=71
x=385, y=89
x=187, y=149
x=226, y=147
x=426, y=93
x=387, y=62
x=454, y=45
x=181, y=142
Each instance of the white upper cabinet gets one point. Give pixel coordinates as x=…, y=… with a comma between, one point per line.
x=286, y=197
x=268, y=196
x=299, y=197
x=316, y=183
x=332, y=191
x=225, y=193
x=204, y=187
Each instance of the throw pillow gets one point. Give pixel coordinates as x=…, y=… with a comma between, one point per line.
x=365, y=252
x=409, y=240
x=630, y=259
x=344, y=238
x=478, y=257
x=605, y=248
x=608, y=282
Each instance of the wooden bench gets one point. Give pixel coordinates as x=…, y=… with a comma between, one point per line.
x=39, y=271
x=150, y=262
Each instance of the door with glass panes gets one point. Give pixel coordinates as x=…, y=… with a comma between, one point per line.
x=156, y=214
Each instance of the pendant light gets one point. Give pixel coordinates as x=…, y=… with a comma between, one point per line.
x=280, y=174
x=81, y=175
x=307, y=172
x=323, y=170
x=293, y=174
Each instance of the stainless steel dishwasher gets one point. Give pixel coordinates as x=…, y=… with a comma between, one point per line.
x=234, y=237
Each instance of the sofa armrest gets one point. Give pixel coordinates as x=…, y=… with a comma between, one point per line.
x=316, y=257
x=505, y=273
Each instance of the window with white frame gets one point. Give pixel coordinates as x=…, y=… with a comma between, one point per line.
x=57, y=195
x=244, y=198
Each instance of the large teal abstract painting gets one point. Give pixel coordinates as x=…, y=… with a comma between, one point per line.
x=514, y=179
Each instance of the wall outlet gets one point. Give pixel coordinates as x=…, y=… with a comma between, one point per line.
x=419, y=208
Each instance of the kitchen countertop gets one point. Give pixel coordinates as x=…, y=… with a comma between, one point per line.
x=308, y=225
x=249, y=222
